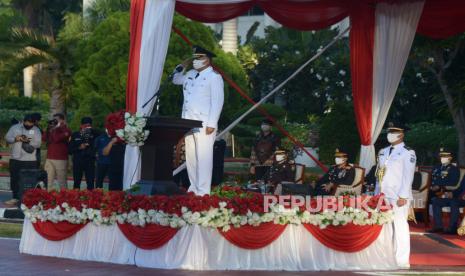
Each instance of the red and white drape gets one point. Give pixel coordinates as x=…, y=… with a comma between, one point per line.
x=380, y=40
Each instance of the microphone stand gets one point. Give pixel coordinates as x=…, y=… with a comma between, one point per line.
x=158, y=94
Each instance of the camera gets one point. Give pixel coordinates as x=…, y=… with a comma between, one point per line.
x=87, y=135
x=53, y=122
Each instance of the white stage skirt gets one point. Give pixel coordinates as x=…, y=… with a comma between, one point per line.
x=199, y=248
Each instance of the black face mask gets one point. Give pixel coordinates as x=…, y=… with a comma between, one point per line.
x=27, y=127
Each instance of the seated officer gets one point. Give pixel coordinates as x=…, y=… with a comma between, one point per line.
x=447, y=192
x=340, y=174
x=282, y=169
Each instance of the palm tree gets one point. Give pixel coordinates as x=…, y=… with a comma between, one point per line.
x=25, y=48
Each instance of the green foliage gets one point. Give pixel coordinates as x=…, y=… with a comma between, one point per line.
x=104, y=62
x=91, y=105
x=23, y=103
x=297, y=130
x=427, y=137
x=338, y=130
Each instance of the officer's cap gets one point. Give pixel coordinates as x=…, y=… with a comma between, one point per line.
x=86, y=120
x=444, y=153
x=201, y=52
x=280, y=152
x=339, y=153
x=395, y=128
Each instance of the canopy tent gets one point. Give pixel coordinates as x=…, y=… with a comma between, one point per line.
x=381, y=36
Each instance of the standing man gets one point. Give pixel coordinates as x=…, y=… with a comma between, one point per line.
x=82, y=147
x=103, y=161
x=203, y=101
x=262, y=153
x=56, y=164
x=395, y=172
x=447, y=192
x=24, y=139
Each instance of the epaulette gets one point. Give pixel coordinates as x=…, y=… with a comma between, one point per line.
x=407, y=148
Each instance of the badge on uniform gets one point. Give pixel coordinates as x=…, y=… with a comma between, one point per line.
x=412, y=158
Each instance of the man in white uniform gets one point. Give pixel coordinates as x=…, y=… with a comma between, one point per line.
x=203, y=101
x=395, y=172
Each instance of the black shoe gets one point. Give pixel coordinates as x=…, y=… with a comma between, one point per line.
x=435, y=230
x=450, y=231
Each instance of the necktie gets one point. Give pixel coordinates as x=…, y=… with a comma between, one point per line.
x=390, y=150
x=197, y=75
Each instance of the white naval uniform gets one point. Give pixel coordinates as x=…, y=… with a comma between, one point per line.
x=203, y=101
x=397, y=183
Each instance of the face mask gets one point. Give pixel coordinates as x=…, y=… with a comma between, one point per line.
x=27, y=127
x=392, y=137
x=339, y=161
x=445, y=160
x=266, y=127
x=280, y=158
x=197, y=63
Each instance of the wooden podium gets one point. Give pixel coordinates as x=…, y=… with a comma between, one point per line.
x=157, y=153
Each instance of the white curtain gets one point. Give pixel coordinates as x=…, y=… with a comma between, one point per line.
x=198, y=248
x=156, y=29
x=395, y=27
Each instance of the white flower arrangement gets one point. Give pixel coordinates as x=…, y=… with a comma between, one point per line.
x=220, y=218
x=134, y=133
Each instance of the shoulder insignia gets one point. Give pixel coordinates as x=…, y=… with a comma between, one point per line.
x=407, y=148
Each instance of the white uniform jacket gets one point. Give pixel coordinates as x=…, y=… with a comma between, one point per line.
x=203, y=95
x=400, y=168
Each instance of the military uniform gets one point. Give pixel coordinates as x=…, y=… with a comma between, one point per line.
x=262, y=154
x=282, y=171
x=343, y=174
x=396, y=168
x=446, y=191
x=203, y=101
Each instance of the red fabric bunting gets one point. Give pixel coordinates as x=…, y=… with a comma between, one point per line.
x=312, y=15
x=212, y=13
x=151, y=236
x=57, y=231
x=135, y=29
x=442, y=18
x=362, y=19
x=253, y=237
x=347, y=238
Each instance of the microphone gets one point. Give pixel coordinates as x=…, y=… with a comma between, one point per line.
x=178, y=69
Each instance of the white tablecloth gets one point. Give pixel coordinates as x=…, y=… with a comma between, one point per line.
x=198, y=248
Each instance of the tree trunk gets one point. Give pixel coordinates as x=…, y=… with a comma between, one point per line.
x=458, y=116
x=57, y=102
x=28, y=75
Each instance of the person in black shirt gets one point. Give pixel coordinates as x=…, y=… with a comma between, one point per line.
x=115, y=151
x=82, y=147
x=103, y=162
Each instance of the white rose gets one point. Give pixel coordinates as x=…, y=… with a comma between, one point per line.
x=127, y=115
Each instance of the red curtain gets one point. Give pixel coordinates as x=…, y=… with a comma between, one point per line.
x=212, y=13
x=253, y=237
x=151, y=236
x=306, y=15
x=347, y=238
x=442, y=18
x=135, y=27
x=362, y=19
x=57, y=231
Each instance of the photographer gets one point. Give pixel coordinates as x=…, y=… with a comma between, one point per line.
x=82, y=147
x=24, y=139
x=56, y=164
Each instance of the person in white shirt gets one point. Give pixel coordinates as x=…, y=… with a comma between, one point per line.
x=203, y=91
x=395, y=171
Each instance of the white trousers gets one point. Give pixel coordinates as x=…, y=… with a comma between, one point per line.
x=199, y=160
x=401, y=234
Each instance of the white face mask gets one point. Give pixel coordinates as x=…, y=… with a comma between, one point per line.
x=197, y=63
x=445, y=160
x=339, y=161
x=280, y=157
x=393, y=137
x=266, y=127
